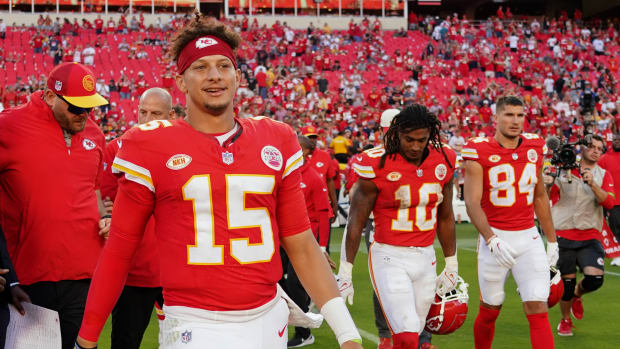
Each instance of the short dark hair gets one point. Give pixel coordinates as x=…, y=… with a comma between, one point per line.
x=199, y=26
x=508, y=100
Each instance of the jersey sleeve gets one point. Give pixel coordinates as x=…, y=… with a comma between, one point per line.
x=608, y=186
x=472, y=148
x=109, y=181
x=365, y=167
x=290, y=198
x=132, y=209
x=129, y=161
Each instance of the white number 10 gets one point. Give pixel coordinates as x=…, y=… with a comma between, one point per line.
x=422, y=221
x=205, y=251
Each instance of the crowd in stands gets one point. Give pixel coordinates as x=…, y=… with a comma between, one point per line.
x=341, y=80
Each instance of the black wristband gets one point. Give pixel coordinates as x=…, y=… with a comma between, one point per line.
x=106, y=216
x=77, y=346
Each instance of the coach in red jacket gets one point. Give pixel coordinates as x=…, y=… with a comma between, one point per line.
x=51, y=159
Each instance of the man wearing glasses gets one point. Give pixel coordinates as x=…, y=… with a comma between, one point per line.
x=578, y=219
x=51, y=160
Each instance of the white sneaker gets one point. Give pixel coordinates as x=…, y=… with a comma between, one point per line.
x=615, y=261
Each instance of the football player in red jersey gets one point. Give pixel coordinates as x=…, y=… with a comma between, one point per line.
x=221, y=190
x=503, y=189
x=407, y=184
x=132, y=312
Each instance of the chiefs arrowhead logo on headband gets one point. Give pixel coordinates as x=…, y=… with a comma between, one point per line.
x=205, y=42
x=204, y=46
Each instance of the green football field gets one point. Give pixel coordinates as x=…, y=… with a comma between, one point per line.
x=598, y=329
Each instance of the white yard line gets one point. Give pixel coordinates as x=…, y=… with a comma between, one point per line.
x=367, y=335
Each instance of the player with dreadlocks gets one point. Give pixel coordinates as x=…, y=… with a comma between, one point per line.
x=408, y=186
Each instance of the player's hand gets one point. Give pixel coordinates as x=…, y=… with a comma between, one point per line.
x=331, y=262
x=503, y=253
x=107, y=205
x=19, y=296
x=446, y=281
x=345, y=281
x=104, y=227
x=351, y=345
x=553, y=253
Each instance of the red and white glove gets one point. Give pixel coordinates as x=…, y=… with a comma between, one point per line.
x=446, y=281
x=345, y=281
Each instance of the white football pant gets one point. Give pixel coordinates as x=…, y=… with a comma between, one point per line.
x=404, y=281
x=267, y=331
x=531, y=270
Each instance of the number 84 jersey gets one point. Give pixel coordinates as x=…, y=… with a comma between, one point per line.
x=219, y=208
x=406, y=206
x=510, y=176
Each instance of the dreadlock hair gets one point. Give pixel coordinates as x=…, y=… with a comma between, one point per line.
x=202, y=25
x=414, y=117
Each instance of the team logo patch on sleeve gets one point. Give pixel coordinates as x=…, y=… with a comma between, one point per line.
x=494, y=158
x=532, y=156
x=272, y=157
x=178, y=161
x=394, y=176
x=440, y=171
x=88, y=144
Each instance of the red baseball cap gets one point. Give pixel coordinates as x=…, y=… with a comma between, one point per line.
x=75, y=83
x=309, y=131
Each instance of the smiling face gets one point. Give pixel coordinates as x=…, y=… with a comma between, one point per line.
x=413, y=143
x=210, y=83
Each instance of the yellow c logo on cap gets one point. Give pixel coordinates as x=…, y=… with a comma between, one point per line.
x=88, y=83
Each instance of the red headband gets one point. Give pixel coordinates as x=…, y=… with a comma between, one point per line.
x=204, y=46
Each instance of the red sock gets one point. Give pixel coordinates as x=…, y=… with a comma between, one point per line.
x=540, y=331
x=484, y=327
x=405, y=340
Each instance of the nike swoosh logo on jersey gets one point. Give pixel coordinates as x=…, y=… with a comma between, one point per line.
x=281, y=333
x=434, y=262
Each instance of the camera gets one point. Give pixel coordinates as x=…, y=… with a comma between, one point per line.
x=564, y=154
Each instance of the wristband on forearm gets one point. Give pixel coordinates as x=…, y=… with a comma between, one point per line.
x=77, y=346
x=106, y=216
x=337, y=316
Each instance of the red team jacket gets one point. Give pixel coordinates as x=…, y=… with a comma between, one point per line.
x=408, y=196
x=220, y=211
x=510, y=176
x=315, y=193
x=144, y=271
x=48, y=207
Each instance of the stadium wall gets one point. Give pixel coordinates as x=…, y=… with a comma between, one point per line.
x=295, y=22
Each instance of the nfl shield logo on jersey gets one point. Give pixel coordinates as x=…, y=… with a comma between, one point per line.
x=227, y=157
x=186, y=336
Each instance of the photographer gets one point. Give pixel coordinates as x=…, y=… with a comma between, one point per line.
x=580, y=195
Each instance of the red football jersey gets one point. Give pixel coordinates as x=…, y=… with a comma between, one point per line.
x=144, y=271
x=510, y=176
x=218, y=207
x=406, y=207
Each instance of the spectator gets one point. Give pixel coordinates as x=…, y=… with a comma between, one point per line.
x=2, y=29
x=54, y=247
x=88, y=55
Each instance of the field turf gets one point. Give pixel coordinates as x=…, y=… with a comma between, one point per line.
x=599, y=328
